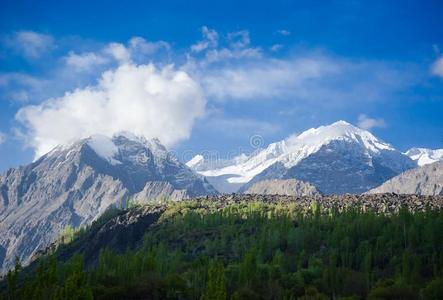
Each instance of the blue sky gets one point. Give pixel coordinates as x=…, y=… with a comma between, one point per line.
x=207, y=76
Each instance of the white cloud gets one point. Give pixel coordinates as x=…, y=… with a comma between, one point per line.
x=85, y=61
x=437, y=67
x=139, y=45
x=152, y=102
x=284, y=32
x=137, y=48
x=239, y=39
x=224, y=54
x=367, y=123
x=303, y=78
x=210, y=40
x=18, y=87
x=6, y=79
x=164, y=102
x=265, y=78
x=31, y=44
x=119, y=52
x=276, y=47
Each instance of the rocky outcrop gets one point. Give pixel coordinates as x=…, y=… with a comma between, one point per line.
x=379, y=203
x=158, y=191
x=74, y=184
x=290, y=187
x=425, y=180
x=122, y=232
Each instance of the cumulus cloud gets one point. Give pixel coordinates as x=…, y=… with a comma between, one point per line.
x=85, y=61
x=29, y=43
x=210, y=40
x=163, y=101
x=119, y=52
x=153, y=102
x=367, y=123
x=140, y=46
x=136, y=49
x=437, y=67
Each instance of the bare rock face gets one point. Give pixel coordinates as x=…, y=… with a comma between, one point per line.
x=159, y=190
x=290, y=187
x=425, y=180
x=72, y=185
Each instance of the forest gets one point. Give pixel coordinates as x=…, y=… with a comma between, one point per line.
x=256, y=251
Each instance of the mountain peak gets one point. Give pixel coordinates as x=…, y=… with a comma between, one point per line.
x=340, y=130
x=424, y=156
x=124, y=143
x=340, y=137
x=336, y=129
x=74, y=183
x=342, y=122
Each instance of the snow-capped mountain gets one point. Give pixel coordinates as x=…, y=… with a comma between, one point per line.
x=424, y=156
x=73, y=184
x=338, y=158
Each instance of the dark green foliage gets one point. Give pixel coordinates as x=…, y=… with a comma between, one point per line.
x=259, y=251
x=215, y=286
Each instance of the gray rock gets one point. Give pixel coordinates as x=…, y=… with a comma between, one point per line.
x=290, y=187
x=159, y=190
x=341, y=167
x=425, y=180
x=72, y=185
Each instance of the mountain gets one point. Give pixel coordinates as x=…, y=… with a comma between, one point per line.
x=289, y=187
x=73, y=184
x=424, y=180
x=424, y=156
x=336, y=159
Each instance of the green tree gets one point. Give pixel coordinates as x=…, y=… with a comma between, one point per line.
x=12, y=279
x=215, y=287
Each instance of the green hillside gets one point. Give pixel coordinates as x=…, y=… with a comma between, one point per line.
x=243, y=250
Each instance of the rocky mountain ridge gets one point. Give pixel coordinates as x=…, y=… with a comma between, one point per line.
x=424, y=180
x=424, y=156
x=336, y=159
x=73, y=184
x=290, y=187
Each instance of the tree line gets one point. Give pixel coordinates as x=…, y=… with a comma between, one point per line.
x=257, y=251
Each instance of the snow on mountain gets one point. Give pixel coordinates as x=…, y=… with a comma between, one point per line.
x=75, y=183
x=211, y=161
x=195, y=161
x=424, y=156
x=104, y=147
x=290, y=152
